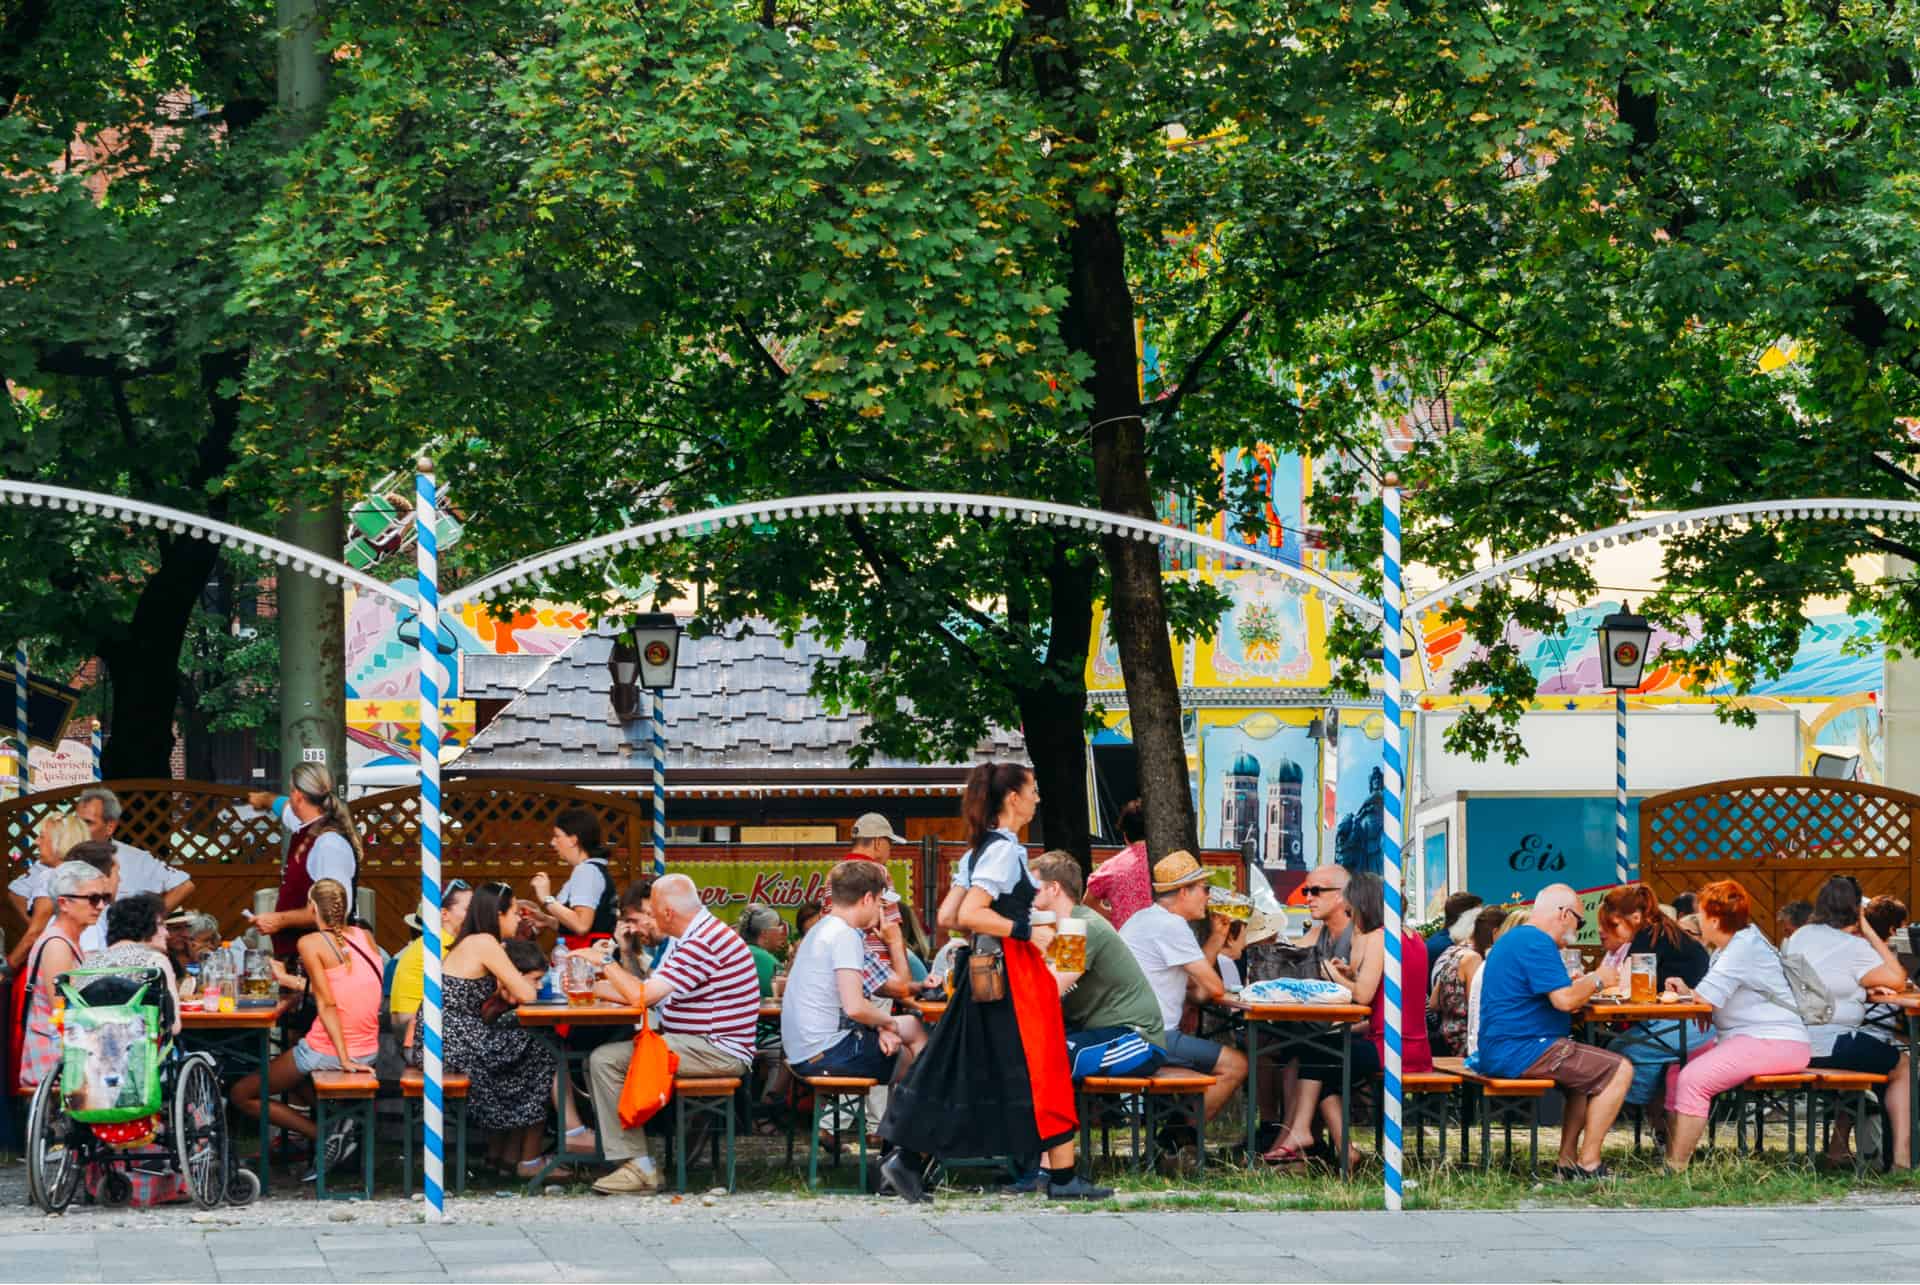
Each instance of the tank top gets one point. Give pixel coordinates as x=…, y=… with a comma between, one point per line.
x=356, y=997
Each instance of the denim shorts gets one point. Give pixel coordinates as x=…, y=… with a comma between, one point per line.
x=856, y=1054
x=307, y=1059
x=1192, y=1052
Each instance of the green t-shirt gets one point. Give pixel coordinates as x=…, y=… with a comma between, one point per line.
x=1113, y=991
x=766, y=966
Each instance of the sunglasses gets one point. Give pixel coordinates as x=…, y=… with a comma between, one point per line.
x=456, y=885
x=95, y=899
x=499, y=889
x=1313, y=890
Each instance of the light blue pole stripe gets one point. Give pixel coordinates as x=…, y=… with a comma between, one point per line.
x=657, y=720
x=1622, y=864
x=1392, y=594
x=432, y=684
x=93, y=740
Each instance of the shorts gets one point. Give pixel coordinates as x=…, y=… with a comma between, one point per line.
x=857, y=1054
x=1858, y=1051
x=1192, y=1052
x=308, y=1059
x=1111, y=1050
x=1575, y=1067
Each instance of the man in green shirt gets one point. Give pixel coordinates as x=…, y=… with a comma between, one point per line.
x=1113, y=1020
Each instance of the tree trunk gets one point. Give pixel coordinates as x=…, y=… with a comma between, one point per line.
x=1053, y=717
x=1099, y=321
x=144, y=662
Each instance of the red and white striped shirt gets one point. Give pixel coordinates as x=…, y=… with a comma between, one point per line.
x=716, y=992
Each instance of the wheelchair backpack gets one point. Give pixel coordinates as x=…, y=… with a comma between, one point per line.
x=110, y=1063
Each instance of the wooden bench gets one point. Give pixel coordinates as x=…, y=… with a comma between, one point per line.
x=709, y=1097
x=1428, y=1093
x=1834, y=1092
x=1763, y=1091
x=836, y=1089
x=413, y=1102
x=349, y=1094
x=1514, y=1100
x=1171, y=1093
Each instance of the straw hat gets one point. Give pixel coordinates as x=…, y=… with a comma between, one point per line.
x=1176, y=870
x=1264, y=926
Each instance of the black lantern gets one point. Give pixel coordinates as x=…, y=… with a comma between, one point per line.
x=1623, y=649
x=656, y=641
x=623, y=666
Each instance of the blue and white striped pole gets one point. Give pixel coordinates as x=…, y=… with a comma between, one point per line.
x=23, y=762
x=93, y=741
x=1622, y=867
x=1391, y=596
x=433, y=681
x=658, y=720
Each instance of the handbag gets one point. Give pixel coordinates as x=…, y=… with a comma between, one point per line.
x=650, y=1075
x=987, y=970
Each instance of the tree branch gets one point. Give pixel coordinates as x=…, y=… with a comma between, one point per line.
x=1190, y=378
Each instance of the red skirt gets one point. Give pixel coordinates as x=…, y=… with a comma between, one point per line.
x=1043, y=1035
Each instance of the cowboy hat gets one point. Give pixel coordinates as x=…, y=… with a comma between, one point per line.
x=1177, y=870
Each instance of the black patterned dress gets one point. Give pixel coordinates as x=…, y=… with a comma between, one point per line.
x=510, y=1072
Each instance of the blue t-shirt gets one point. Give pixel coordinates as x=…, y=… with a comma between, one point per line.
x=1517, y=1020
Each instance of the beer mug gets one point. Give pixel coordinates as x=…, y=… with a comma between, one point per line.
x=1068, y=952
x=578, y=978
x=1643, y=982
x=1229, y=905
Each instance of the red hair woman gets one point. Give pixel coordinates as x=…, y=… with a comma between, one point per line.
x=993, y=1080
x=1757, y=1027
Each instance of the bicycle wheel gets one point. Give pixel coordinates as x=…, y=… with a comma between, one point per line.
x=54, y=1162
x=200, y=1132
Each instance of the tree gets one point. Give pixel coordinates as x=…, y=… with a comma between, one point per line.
x=951, y=225
x=1743, y=188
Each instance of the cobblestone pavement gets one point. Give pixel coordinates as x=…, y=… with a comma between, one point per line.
x=577, y=1239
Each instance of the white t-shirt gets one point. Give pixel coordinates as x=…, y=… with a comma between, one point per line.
x=141, y=872
x=584, y=887
x=1164, y=945
x=1473, y=1012
x=810, y=1014
x=1748, y=991
x=998, y=868
x=94, y=937
x=31, y=886
x=1841, y=959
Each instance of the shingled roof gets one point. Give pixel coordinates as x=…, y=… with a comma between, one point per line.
x=740, y=710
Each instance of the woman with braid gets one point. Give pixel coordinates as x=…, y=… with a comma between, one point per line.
x=342, y=966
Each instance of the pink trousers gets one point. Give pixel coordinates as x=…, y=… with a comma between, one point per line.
x=1724, y=1064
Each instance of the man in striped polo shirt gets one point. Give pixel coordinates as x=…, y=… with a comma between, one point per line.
x=705, y=998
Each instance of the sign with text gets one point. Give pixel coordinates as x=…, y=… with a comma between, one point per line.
x=727, y=887
x=1518, y=845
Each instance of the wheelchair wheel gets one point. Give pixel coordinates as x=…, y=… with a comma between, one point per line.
x=116, y=1189
x=54, y=1160
x=200, y=1132
x=243, y=1188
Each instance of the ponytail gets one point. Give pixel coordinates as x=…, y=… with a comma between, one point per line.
x=315, y=784
x=988, y=786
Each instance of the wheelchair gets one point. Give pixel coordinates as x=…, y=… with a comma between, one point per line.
x=125, y=1101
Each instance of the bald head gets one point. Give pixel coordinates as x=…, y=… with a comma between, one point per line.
x=1327, y=896
x=1556, y=911
x=675, y=901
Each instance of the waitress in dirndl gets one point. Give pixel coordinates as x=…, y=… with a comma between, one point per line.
x=325, y=845
x=993, y=1080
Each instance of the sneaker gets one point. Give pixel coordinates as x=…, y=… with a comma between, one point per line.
x=1077, y=1189
x=1025, y=1185
x=629, y=1180
x=342, y=1141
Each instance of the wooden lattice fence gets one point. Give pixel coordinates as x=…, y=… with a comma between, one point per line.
x=1781, y=838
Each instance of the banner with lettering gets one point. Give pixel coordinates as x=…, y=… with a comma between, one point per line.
x=728, y=887
x=1518, y=845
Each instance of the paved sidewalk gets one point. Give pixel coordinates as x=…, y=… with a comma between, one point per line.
x=865, y=1241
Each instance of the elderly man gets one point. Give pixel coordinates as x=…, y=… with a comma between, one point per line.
x=99, y=807
x=1331, y=936
x=1526, y=1003
x=705, y=1000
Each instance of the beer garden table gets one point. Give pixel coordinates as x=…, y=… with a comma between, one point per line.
x=1601, y=1012
x=241, y=1044
x=1908, y=1002
x=1278, y=1030
x=541, y=1019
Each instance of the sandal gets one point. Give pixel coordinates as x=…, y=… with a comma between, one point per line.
x=530, y=1169
x=574, y=1144
x=1284, y=1155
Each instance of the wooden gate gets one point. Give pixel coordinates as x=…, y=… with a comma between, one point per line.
x=1781, y=837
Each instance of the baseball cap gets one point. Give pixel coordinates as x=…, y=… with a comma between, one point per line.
x=875, y=826
x=891, y=897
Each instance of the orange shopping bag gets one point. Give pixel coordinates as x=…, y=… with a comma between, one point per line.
x=649, y=1077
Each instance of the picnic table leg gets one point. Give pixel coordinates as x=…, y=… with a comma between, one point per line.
x=565, y=1061
x=263, y=1058
x=1346, y=1102
x=1913, y=1080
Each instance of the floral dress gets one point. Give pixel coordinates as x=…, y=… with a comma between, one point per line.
x=510, y=1071
x=1450, y=997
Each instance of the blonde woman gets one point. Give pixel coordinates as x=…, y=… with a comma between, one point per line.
x=325, y=846
x=341, y=965
x=59, y=834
